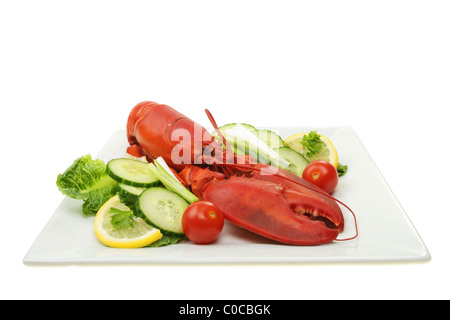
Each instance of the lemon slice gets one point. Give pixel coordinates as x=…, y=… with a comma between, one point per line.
x=328, y=152
x=139, y=235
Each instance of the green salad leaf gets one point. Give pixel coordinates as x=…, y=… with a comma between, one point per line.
x=86, y=179
x=342, y=169
x=166, y=240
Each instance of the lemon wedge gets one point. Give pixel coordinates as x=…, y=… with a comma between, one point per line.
x=139, y=235
x=328, y=152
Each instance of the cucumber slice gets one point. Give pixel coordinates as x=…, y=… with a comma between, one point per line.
x=259, y=144
x=162, y=209
x=228, y=126
x=297, y=163
x=239, y=147
x=131, y=172
x=134, y=191
x=129, y=195
x=270, y=138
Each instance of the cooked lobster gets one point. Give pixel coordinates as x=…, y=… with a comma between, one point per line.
x=280, y=206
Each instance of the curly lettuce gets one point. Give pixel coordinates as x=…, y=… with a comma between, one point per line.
x=86, y=179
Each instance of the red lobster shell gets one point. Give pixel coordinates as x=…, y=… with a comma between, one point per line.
x=281, y=206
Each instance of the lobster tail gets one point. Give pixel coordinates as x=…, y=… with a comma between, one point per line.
x=157, y=130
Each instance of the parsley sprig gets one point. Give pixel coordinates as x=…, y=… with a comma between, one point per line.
x=121, y=219
x=312, y=143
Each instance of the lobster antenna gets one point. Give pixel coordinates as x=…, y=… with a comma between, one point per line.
x=213, y=122
x=216, y=127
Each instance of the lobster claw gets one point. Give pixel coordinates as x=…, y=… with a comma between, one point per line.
x=313, y=209
x=273, y=211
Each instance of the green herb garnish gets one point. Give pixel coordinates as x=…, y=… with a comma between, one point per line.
x=312, y=143
x=122, y=219
x=342, y=169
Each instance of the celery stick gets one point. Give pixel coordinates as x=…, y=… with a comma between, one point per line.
x=162, y=171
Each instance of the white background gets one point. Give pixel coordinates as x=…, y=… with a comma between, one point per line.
x=70, y=72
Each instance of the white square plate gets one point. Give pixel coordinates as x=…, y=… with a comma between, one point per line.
x=385, y=231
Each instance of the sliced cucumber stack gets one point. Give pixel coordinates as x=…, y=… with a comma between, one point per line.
x=270, y=138
x=289, y=159
x=131, y=172
x=239, y=147
x=162, y=209
x=130, y=190
x=223, y=129
x=297, y=163
x=129, y=195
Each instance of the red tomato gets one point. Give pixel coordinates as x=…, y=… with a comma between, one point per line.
x=323, y=174
x=202, y=222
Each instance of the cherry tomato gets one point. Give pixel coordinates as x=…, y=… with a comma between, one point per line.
x=323, y=174
x=202, y=222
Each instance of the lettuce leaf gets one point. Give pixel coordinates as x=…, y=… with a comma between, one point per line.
x=97, y=197
x=86, y=179
x=166, y=240
x=342, y=169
